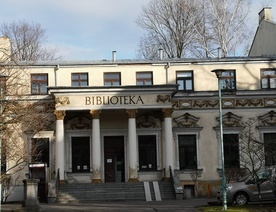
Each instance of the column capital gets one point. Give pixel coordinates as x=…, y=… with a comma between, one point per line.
x=132, y=113
x=167, y=112
x=60, y=114
x=95, y=114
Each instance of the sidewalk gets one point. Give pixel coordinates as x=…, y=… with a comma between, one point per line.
x=166, y=205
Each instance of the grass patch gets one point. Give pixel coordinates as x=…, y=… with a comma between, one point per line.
x=246, y=208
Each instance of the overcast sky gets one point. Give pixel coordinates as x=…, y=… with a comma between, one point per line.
x=91, y=29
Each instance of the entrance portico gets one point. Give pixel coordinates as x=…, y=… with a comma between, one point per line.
x=129, y=102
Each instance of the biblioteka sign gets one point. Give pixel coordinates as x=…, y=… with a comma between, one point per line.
x=82, y=102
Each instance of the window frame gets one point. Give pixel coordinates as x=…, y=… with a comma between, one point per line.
x=144, y=80
x=112, y=80
x=268, y=77
x=270, y=155
x=223, y=80
x=79, y=79
x=155, y=165
x=226, y=144
x=187, y=165
x=187, y=131
x=39, y=83
x=185, y=80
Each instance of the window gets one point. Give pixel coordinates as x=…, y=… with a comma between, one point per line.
x=112, y=79
x=268, y=78
x=185, y=80
x=144, y=78
x=147, y=152
x=39, y=83
x=80, y=154
x=270, y=149
x=79, y=79
x=40, y=150
x=231, y=150
x=227, y=80
x=187, y=151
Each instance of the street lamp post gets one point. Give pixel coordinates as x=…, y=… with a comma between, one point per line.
x=218, y=73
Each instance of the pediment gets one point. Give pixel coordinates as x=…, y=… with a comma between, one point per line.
x=231, y=120
x=186, y=120
x=268, y=119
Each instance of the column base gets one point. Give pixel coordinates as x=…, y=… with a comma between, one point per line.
x=133, y=180
x=96, y=181
x=63, y=182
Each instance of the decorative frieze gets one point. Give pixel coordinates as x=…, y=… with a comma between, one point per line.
x=226, y=103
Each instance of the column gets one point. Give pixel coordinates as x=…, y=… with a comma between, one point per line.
x=96, y=147
x=132, y=146
x=60, y=162
x=169, y=156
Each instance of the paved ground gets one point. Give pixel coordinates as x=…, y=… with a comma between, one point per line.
x=171, y=205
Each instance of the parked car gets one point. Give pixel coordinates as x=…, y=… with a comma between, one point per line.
x=246, y=189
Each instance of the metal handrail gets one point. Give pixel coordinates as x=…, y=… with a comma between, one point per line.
x=175, y=181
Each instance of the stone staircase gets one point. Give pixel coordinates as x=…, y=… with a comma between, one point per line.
x=89, y=192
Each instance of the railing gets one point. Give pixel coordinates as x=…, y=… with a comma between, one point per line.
x=176, y=184
x=57, y=182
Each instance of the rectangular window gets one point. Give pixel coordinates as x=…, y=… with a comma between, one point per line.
x=228, y=81
x=112, y=79
x=39, y=83
x=231, y=150
x=185, y=80
x=187, y=151
x=270, y=149
x=268, y=78
x=40, y=150
x=147, y=152
x=79, y=79
x=144, y=78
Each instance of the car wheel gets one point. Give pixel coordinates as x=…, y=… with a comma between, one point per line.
x=241, y=198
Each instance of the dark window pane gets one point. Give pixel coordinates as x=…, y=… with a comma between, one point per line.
x=187, y=151
x=270, y=149
x=147, y=152
x=231, y=150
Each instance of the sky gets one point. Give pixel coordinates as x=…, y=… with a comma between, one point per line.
x=92, y=29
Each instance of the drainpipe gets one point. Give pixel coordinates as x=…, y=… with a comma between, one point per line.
x=167, y=72
x=56, y=69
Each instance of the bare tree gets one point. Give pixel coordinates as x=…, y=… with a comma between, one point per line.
x=169, y=25
x=195, y=28
x=28, y=41
x=21, y=117
x=253, y=155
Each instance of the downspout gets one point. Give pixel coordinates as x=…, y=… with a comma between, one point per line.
x=56, y=69
x=167, y=72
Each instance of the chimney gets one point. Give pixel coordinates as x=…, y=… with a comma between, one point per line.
x=114, y=56
x=5, y=49
x=161, y=54
x=265, y=14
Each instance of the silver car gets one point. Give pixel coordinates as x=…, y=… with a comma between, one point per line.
x=246, y=189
